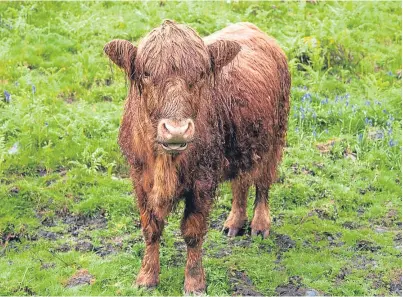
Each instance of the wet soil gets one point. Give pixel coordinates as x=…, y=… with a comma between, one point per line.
x=365, y=245
x=294, y=287
x=81, y=277
x=284, y=242
x=241, y=284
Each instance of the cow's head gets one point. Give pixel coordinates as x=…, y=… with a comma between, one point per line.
x=172, y=70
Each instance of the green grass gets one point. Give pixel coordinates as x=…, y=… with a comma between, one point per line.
x=336, y=207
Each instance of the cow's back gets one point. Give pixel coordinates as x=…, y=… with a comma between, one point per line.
x=253, y=95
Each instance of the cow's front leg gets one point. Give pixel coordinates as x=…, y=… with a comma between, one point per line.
x=194, y=227
x=150, y=267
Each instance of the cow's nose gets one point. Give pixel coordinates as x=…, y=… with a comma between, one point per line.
x=175, y=132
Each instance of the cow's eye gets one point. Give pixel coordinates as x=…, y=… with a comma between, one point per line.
x=146, y=74
x=191, y=85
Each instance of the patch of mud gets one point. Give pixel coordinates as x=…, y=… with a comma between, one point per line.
x=106, y=249
x=368, y=189
x=345, y=271
x=46, y=266
x=324, y=214
x=395, y=285
x=390, y=220
x=179, y=259
x=284, y=242
x=241, y=284
x=81, y=277
x=78, y=223
x=218, y=223
x=48, y=235
x=364, y=263
x=84, y=246
x=351, y=225
x=64, y=248
x=242, y=242
x=365, y=245
x=278, y=220
x=294, y=287
x=333, y=239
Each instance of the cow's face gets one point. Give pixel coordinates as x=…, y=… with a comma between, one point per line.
x=172, y=69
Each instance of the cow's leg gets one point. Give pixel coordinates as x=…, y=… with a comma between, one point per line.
x=194, y=227
x=152, y=229
x=263, y=178
x=261, y=216
x=238, y=217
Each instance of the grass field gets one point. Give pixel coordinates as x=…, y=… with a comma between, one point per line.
x=68, y=223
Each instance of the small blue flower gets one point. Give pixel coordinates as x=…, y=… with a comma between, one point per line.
x=17, y=84
x=390, y=130
x=378, y=103
x=326, y=131
x=46, y=124
x=307, y=96
x=385, y=111
x=314, y=115
x=296, y=129
x=33, y=89
x=7, y=95
x=314, y=133
x=354, y=107
x=367, y=103
x=379, y=135
x=360, y=136
x=368, y=121
x=325, y=101
x=347, y=103
x=390, y=73
x=392, y=143
x=391, y=118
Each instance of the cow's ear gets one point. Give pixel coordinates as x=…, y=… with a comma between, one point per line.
x=222, y=52
x=123, y=54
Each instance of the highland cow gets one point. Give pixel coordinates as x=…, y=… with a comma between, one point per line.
x=199, y=112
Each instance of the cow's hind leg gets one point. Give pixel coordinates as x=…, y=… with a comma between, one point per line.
x=261, y=216
x=263, y=177
x=238, y=217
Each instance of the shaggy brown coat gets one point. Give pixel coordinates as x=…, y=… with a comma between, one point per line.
x=234, y=85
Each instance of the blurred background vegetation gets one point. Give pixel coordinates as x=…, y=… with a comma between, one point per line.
x=68, y=224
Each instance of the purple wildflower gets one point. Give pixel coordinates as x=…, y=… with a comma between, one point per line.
x=7, y=95
x=367, y=103
x=392, y=143
x=360, y=136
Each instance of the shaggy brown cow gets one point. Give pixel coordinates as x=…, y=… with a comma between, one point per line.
x=198, y=112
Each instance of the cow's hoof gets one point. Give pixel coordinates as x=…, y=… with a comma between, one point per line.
x=195, y=292
x=265, y=232
x=232, y=232
x=146, y=281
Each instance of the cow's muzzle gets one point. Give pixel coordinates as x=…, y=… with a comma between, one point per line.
x=174, y=135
